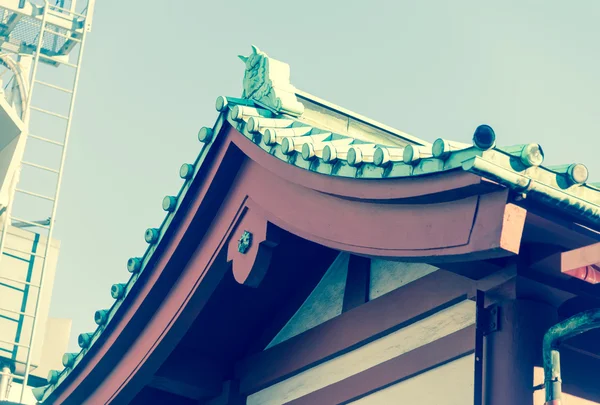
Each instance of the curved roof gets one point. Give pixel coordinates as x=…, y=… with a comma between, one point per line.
x=311, y=134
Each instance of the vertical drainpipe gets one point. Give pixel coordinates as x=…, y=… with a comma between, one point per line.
x=555, y=336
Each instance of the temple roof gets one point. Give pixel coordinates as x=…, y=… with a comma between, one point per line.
x=317, y=136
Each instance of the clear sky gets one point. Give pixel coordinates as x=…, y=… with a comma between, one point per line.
x=153, y=69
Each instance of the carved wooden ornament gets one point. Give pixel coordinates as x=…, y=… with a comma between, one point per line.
x=250, y=247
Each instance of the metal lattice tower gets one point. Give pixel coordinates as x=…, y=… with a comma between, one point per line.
x=36, y=35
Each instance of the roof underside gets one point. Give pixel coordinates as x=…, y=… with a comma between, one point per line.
x=317, y=136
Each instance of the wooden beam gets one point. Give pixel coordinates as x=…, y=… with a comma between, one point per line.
x=584, y=256
x=149, y=395
x=424, y=358
x=356, y=292
x=189, y=374
x=390, y=312
x=474, y=270
x=294, y=297
x=180, y=388
x=548, y=228
x=582, y=263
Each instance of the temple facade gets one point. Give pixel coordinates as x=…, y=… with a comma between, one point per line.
x=314, y=256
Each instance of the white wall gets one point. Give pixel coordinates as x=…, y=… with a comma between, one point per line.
x=420, y=333
x=323, y=304
x=326, y=300
x=11, y=299
x=387, y=276
x=449, y=384
x=55, y=343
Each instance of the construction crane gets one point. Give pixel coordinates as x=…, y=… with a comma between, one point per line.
x=39, y=41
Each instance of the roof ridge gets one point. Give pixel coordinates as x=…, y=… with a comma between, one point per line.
x=359, y=117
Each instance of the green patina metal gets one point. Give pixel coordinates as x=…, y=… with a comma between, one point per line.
x=101, y=316
x=205, y=134
x=84, y=340
x=315, y=135
x=518, y=167
x=151, y=235
x=68, y=359
x=553, y=339
x=53, y=376
x=134, y=264
x=169, y=203
x=245, y=242
x=186, y=171
x=118, y=290
x=267, y=82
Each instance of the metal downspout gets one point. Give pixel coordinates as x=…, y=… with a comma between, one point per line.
x=553, y=338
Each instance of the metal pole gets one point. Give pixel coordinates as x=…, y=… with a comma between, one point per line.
x=27, y=114
x=555, y=336
x=5, y=379
x=56, y=195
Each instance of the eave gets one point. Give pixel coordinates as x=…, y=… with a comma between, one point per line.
x=398, y=206
x=226, y=164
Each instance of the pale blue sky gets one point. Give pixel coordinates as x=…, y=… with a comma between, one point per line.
x=152, y=71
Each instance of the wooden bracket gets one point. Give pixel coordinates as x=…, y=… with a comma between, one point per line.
x=250, y=247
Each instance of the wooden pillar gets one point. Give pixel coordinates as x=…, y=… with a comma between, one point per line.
x=512, y=352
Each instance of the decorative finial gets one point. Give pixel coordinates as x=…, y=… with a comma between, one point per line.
x=532, y=155
x=245, y=242
x=205, y=134
x=40, y=392
x=186, y=171
x=578, y=173
x=85, y=340
x=151, y=235
x=355, y=157
x=411, y=155
x=68, y=359
x=287, y=146
x=330, y=154
x=53, y=376
x=267, y=82
x=575, y=174
x=308, y=151
x=118, y=290
x=134, y=264
x=101, y=316
x=169, y=203
x=221, y=103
